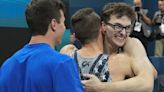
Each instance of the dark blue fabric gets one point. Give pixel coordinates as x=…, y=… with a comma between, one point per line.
x=38, y=68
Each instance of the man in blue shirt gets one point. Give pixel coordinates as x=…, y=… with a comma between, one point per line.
x=37, y=67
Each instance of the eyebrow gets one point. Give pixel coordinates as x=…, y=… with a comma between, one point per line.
x=121, y=24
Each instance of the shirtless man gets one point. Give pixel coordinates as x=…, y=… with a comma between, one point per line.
x=134, y=66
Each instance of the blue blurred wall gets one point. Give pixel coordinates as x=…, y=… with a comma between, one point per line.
x=12, y=13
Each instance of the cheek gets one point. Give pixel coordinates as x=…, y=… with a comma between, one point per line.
x=62, y=29
x=109, y=36
x=59, y=33
x=109, y=33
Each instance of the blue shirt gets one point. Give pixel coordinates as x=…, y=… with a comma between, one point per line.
x=38, y=68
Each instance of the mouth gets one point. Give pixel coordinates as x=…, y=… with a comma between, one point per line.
x=120, y=38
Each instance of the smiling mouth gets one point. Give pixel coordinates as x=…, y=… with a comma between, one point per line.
x=120, y=37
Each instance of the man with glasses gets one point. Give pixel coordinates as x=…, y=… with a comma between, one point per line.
x=129, y=66
x=119, y=29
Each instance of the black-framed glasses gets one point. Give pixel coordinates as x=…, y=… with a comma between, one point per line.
x=118, y=27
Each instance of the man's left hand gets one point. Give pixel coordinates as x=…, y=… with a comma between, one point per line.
x=91, y=85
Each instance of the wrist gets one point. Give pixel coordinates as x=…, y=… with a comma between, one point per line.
x=100, y=87
x=105, y=87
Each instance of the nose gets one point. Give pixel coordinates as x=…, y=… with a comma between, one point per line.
x=123, y=32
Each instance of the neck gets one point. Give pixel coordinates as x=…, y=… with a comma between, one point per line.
x=113, y=49
x=92, y=49
x=109, y=48
x=41, y=39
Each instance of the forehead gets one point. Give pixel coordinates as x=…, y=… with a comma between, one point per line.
x=124, y=20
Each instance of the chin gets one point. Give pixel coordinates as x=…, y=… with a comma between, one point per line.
x=119, y=44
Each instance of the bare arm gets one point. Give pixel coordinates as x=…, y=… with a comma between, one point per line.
x=146, y=19
x=142, y=82
x=135, y=49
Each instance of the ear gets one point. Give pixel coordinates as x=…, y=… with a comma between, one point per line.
x=53, y=24
x=103, y=28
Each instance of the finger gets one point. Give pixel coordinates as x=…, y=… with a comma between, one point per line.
x=88, y=75
x=84, y=82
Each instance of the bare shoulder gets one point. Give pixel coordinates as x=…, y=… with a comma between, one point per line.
x=68, y=49
x=132, y=43
x=133, y=47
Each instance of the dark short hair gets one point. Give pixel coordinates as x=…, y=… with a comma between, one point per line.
x=39, y=14
x=118, y=9
x=86, y=24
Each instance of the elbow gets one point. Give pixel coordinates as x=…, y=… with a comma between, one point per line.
x=145, y=84
x=155, y=74
x=148, y=86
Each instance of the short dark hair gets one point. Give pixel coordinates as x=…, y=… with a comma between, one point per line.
x=118, y=9
x=86, y=24
x=39, y=14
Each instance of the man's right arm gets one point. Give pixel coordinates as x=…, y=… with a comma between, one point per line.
x=141, y=82
x=135, y=84
x=135, y=49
